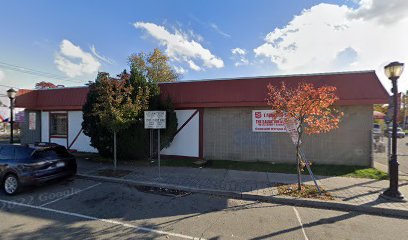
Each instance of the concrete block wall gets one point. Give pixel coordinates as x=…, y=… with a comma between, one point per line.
x=228, y=136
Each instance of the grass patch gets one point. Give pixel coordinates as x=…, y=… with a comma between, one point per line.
x=318, y=169
x=368, y=173
x=95, y=157
x=307, y=191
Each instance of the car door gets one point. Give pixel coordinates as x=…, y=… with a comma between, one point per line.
x=6, y=158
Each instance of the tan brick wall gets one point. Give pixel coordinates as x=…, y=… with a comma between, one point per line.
x=228, y=136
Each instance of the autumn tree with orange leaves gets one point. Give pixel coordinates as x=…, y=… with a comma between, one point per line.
x=312, y=108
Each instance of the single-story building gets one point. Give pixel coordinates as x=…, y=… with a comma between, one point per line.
x=217, y=119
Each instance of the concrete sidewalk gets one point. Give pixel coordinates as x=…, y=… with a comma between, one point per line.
x=350, y=194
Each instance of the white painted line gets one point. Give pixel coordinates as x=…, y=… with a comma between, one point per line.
x=300, y=222
x=65, y=196
x=144, y=229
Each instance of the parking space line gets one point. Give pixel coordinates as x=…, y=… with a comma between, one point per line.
x=138, y=228
x=300, y=222
x=56, y=200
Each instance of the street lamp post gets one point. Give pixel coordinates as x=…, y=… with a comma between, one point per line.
x=393, y=71
x=11, y=93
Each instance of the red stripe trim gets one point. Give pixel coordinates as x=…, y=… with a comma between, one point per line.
x=56, y=136
x=76, y=137
x=186, y=122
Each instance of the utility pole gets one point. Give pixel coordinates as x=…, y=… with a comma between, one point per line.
x=404, y=99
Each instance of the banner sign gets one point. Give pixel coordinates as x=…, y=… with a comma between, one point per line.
x=32, y=120
x=266, y=121
x=19, y=117
x=155, y=119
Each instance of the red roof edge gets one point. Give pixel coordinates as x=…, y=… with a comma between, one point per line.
x=354, y=88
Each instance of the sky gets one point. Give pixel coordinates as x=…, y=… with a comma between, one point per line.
x=68, y=42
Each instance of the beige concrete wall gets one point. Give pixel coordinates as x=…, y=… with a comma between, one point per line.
x=228, y=136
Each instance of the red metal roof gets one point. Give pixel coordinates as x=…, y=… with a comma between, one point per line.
x=353, y=88
x=52, y=99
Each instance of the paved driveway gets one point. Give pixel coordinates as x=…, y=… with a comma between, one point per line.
x=84, y=209
x=402, y=149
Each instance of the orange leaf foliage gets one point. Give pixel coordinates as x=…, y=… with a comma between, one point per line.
x=311, y=107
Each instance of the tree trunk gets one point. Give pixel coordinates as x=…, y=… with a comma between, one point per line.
x=114, y=150
x=299, y=174
x=299, y=161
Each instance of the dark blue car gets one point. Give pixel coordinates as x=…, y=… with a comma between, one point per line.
x=22, y=165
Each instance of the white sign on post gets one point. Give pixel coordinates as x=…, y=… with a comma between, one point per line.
x=155, y=119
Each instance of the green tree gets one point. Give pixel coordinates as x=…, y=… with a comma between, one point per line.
x=117, y=105
x=114, y=106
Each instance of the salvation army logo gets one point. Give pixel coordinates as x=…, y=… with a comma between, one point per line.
x=258, y=114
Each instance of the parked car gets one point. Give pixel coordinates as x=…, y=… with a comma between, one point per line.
x=400, y=132
x=22, y=165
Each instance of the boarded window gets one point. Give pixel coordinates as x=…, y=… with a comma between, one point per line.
x=58, y=124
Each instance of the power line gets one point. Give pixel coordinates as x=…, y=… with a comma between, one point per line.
x=38, y=73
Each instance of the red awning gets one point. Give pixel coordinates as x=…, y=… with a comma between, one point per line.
x=353, y=88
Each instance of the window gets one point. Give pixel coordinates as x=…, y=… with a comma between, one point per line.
x=22, y=153
x=58, y=124
x=51, y=153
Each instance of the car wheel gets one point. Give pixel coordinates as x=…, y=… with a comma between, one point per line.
x=11, y=184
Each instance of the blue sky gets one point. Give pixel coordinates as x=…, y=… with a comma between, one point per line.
x=73, y=40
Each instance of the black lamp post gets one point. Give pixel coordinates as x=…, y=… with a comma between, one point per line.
x=11, y=93
x=393, y=71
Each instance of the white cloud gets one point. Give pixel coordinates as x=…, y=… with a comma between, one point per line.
x=326, y=38
x=239, y=51
x=73, y=61
x=181, y=48
x=384, y=12
x=180, y=70
x=193, y=66
x=103, y=58
x=219, y=31
x=239, y=55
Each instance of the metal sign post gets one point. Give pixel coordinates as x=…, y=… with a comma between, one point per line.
x=151, y=144
x=158, y=149
x=291, y=127
x=155, y=120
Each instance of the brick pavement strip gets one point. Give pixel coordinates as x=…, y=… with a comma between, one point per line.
x=350, y=194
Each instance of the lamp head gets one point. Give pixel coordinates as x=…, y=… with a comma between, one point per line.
x=394, y=70
x=11, y=93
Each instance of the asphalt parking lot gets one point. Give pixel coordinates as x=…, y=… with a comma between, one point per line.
x=85, y=209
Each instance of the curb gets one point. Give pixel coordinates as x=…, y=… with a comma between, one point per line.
x=302, y=202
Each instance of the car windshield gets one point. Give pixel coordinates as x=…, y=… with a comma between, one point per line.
x=23, y=152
